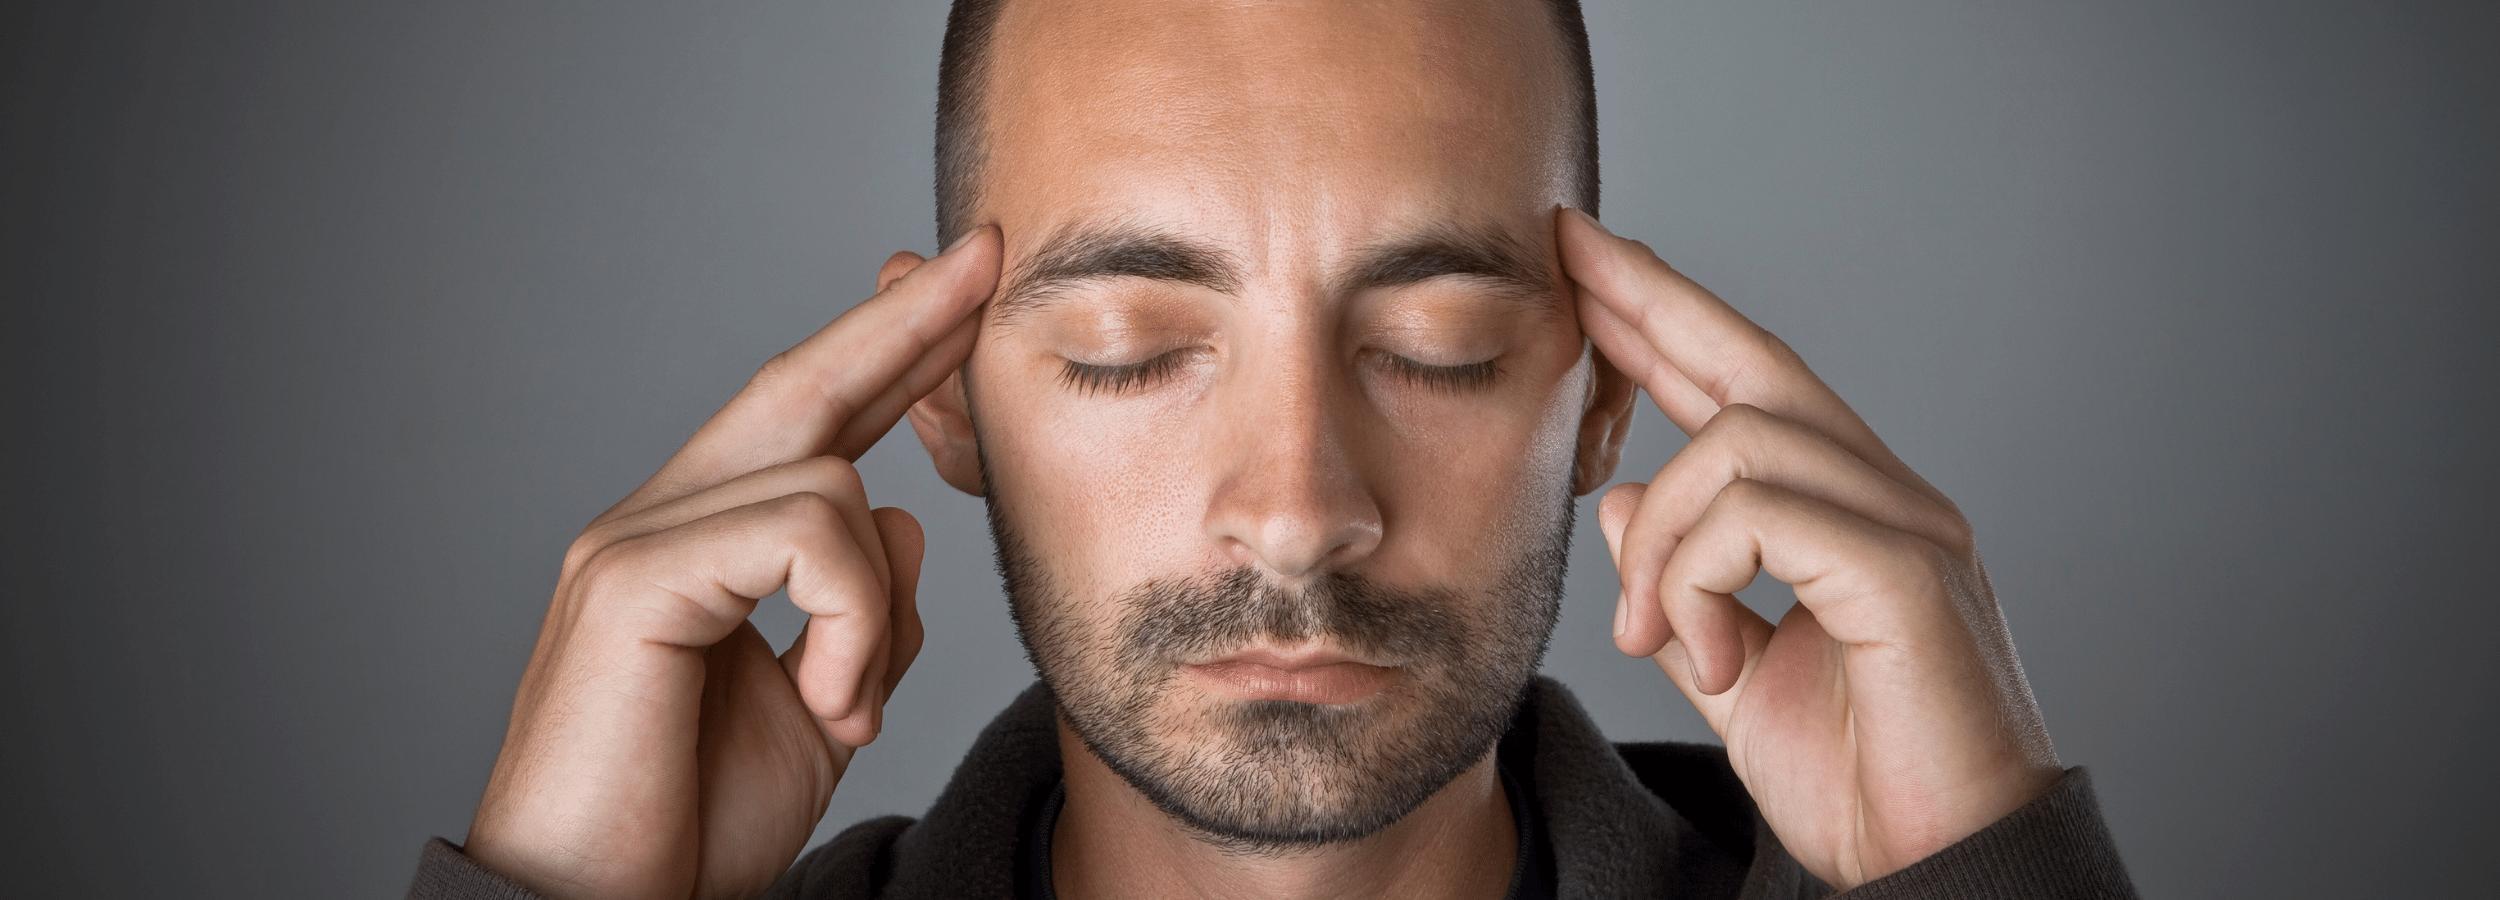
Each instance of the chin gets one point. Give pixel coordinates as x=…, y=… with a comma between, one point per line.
x=1264, y=775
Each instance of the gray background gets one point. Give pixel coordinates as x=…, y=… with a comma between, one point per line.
x=327, y=327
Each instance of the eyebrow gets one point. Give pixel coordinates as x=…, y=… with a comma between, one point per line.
x=1118, y=250
x=1482, y=253
x=1084, y=253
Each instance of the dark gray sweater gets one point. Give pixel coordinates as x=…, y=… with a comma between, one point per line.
x=1623, y=820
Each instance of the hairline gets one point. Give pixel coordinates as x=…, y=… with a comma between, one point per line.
x=963, y=64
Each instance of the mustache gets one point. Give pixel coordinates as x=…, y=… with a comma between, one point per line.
x=1194, y=617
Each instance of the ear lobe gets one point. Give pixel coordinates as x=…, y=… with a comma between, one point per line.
x=1604, y=426
x=944, y=423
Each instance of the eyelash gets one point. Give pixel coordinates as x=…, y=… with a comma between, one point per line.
x=1089, y=379
x=1448, y=379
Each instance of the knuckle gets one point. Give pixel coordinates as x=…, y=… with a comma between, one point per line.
x=810, y=504
x=1735, y=432
x=811, y=514
x=1774, y=347
x=1791, y=361
x=603, y=567
x=1660, y=370
x=786, y=380
x=1765, y=356
x=833, y=476
x=813, y=525
x=1735, y=501
x=1742, y=492
x=578, y=554
x=774, y=370
x=1739, y=377
x=1747, y=503
x=1739, y=415
x=820, y=705
x=1927, y=563
x=1956, y=535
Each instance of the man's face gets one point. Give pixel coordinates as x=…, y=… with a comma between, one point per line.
x=1282, y=371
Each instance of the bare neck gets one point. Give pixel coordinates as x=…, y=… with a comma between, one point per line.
x=1111, y=842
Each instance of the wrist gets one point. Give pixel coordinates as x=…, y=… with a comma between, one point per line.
x=1981, y=803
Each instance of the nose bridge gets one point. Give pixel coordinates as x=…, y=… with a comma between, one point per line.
x=1291, y=497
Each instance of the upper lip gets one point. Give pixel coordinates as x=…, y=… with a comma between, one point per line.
x=1304, y=657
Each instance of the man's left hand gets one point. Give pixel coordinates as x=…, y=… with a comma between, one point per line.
x=1885, y=717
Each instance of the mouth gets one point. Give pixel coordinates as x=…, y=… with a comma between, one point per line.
x=1306, y=675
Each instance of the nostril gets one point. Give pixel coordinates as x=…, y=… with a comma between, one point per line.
x=1295, y=547
x=1241, y=553
x=1293, y=509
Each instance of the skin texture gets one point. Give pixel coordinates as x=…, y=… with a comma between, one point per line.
x=1885, y=717
x=1282, y=776
x=1290, y=137
x=657, y=747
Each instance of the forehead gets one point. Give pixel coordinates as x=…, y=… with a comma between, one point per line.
x=1279, y=128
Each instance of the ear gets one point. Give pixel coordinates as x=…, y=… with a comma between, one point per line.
x=944, y=423
x=1603, y=426
x=942, y=419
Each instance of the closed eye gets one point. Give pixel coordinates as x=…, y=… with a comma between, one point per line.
x=1089, y=378
x=1452, y=379
x=1094, y=378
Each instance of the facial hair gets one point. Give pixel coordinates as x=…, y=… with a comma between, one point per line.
x=1271, y=776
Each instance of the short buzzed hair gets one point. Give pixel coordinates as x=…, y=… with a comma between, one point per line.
x=963, y=61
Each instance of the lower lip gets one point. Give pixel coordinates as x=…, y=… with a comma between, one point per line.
x=1333, y=683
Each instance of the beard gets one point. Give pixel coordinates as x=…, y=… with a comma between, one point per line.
x=1267, y=776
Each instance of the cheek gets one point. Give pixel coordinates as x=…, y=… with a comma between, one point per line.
x=1104, y=494
x=1468, y=485
x=1518, y=424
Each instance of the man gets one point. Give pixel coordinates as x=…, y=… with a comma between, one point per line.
x=1278, y=340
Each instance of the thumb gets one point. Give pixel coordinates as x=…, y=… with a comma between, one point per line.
x=1614, y=512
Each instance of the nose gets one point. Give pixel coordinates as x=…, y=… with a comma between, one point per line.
x=1290, y=496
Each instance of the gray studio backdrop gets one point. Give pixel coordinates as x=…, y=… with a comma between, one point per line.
x=329, y=324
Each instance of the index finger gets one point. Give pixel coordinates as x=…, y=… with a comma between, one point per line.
x=829, y=394
x=1693, y=352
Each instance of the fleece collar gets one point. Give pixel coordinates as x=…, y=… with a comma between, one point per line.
x=1612, y=835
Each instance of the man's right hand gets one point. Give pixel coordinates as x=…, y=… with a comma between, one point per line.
x=657, y=748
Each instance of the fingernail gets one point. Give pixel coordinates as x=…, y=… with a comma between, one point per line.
x=1623, y=614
